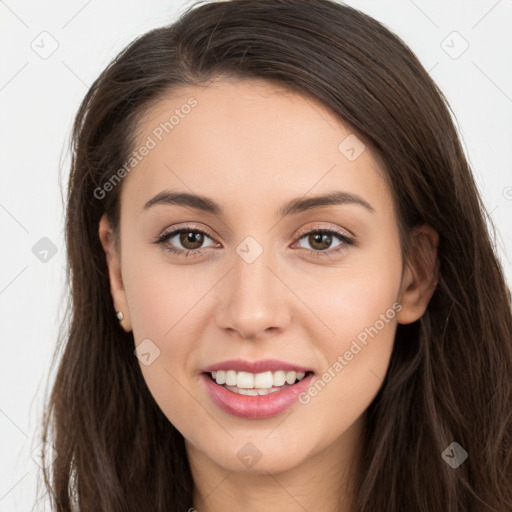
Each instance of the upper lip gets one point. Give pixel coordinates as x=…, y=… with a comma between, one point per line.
x=260, y=366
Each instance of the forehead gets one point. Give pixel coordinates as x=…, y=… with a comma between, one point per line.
x=250, y=142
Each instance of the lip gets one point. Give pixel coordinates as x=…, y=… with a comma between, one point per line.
x=263, y=365
x=256, y=407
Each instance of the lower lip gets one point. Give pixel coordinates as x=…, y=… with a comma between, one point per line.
x=256, y=407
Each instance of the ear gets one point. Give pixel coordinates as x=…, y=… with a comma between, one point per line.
x=114, y=272
x=420, y=276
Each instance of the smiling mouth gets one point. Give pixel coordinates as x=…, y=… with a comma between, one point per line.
x=256, y=384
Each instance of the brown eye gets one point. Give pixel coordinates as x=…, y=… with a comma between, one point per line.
x=320, y=241
x=191, y=239
x=185, y=241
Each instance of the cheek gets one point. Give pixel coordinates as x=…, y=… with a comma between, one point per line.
x=357, y=298
x=164, y=305
x=165, y=316
x=162, y=297
x=359, y=308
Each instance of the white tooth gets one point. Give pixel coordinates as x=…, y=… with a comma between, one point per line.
x=263, y=380
x=231, y=378
x=263, y=391
x=242, y=391
x=291, y=377
x=245, y=380
x=251, y=392
x=271, y=381
x=279, y=378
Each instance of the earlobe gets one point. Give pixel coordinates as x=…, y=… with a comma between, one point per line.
x=420, y=276
x=114, y=271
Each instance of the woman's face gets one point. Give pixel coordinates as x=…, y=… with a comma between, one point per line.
x=256, y=280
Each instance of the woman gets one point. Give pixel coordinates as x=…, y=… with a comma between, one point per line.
x=284, y=293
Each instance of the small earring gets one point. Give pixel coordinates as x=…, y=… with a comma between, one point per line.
x=120, y=315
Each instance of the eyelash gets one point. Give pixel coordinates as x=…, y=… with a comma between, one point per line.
x=162, y=241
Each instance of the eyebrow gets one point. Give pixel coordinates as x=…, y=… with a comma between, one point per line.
x=298, y=205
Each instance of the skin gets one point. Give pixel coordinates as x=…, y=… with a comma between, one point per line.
x=252, y=146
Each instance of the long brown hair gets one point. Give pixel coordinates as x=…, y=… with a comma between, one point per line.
x=449, y=378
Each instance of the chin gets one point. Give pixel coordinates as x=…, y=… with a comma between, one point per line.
x=252, y=455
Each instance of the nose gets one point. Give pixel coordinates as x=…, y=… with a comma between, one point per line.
x=253, y=300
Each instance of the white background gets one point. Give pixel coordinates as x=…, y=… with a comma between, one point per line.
x=39, y=96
